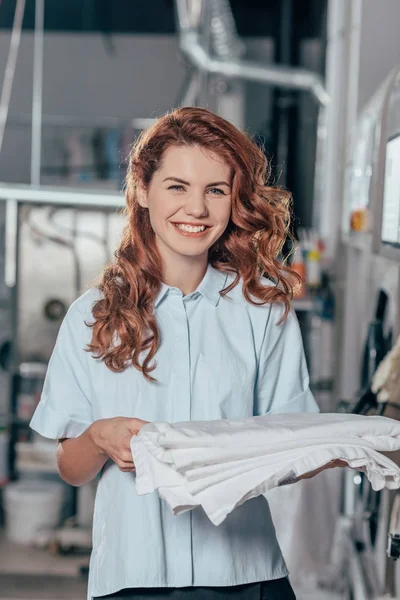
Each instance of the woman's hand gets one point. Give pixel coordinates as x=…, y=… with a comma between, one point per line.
x=112, y=438
x=331, y=465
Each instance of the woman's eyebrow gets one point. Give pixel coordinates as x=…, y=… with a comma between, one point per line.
x=187, y=183
x=219, y=183
x=176, y=179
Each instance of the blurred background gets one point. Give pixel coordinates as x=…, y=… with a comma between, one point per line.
x=317, y=84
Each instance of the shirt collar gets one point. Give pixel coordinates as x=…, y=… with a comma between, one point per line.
x=209, y=287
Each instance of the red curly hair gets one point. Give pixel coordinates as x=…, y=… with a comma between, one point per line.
x=125, y=324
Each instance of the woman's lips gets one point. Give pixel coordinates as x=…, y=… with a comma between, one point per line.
x=191, y=233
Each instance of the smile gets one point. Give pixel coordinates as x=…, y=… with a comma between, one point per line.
x=190, y=230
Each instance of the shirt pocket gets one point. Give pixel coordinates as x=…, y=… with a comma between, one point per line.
x=225, y=385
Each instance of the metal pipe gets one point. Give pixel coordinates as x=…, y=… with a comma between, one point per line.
x=201, y=14
x=292, y=78
x=37, y=95
x=319, y=175
x=10, y=246
x=83, y=122
x=189, y=13
x=190, y=89
x=226, y=42
x=344, y=20
x=285, y=77
x=10, y=67
x=284, y=99
x=57, y=197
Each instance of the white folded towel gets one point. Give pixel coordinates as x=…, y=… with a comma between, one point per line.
x=220, y=464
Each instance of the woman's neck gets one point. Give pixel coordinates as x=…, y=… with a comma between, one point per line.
x=186, y=276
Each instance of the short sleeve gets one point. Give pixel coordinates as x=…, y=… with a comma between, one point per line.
x=282, y=382
x=65, y=409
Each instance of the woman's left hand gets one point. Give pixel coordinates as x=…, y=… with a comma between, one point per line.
x=331, y=465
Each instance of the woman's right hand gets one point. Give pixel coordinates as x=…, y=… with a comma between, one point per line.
x=112, y=437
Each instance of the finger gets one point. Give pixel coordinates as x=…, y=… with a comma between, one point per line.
x=136, y=425
x=125, y=464
x=340, y=463
x=127, y=470
x=126, y=456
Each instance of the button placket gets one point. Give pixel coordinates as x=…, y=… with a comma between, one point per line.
x=182, y=412
x=185, y=302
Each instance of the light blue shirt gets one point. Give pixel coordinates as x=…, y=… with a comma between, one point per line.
x=220, y=357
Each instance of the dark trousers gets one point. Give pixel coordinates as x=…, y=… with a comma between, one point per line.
x=277, y=589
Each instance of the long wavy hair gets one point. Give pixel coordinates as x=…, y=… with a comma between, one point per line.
x=125, y=324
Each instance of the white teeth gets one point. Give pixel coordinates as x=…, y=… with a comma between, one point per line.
x=190, y=228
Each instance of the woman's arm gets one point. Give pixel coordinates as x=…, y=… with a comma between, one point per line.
x=331, y=465
x=65, y=411
x=80, y=459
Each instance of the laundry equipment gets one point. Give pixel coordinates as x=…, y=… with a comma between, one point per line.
x=369, y=313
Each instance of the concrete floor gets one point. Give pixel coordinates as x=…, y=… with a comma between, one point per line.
x=41, y=587
x=15, y=559
x=36, y=574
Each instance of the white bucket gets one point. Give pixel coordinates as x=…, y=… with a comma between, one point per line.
x=31, y=506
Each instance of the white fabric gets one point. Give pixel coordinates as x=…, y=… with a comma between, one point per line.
x=221, y=464
x=305, y=518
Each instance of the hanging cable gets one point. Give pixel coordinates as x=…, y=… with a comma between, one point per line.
x=10, y=67
x=60, y=241
x=37, y=94
x=103, y=240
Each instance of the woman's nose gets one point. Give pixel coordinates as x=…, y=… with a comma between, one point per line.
x=196, y=205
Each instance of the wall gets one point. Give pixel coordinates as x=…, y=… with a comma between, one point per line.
x=140, y=77
x=380, y=45
x=360, y=275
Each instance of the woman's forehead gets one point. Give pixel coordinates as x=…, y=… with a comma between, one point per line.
x=194, y=161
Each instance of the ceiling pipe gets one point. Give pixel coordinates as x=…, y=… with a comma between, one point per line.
x=235, y=68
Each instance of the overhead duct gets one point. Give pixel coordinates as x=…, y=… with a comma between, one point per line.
x=189, y=21
x=224, y=38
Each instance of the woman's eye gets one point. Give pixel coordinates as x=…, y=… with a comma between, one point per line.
x=217, y=190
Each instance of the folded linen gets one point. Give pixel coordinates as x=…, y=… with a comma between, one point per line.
x=221, y=464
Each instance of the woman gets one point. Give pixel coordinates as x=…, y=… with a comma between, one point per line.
x=182, y=327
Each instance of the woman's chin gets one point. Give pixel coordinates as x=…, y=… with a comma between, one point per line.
x=186, y=247
x=195, y=251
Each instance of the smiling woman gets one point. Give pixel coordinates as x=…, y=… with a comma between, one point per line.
x=185, y=299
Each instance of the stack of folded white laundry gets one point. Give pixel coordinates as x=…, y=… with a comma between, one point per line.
x=220, y=464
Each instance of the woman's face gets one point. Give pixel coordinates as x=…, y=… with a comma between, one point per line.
x=189, y=201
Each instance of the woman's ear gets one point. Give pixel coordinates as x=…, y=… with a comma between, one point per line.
x=142, y=196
